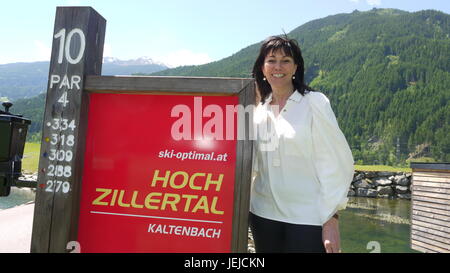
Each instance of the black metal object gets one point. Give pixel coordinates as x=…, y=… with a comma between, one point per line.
x=13, y=132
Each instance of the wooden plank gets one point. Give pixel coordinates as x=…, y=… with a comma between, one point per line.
x=66, y=208
x=431, y=174
x=437, y=228
x=426, y=248
x=134, y=92
x=248, y=96
x=243, y=175
x=422, y=249
x=430, y=210
x=430, y=171
x=431, y=189
x=439, y=179
x=431, y=205
x=77, y=51
x=165, y=84
x=431, y=178
x=424, y=183
x=443, y=247
x=431, y=231
x=432, y=195
x=431, y=215
x=439, y=241
x=429, y=200
x=235, y=244
x=430, y=220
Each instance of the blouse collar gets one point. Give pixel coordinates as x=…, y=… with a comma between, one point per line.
x=295, y=96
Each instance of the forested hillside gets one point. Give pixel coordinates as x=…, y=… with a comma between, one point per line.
x=386, y=72
x=26, y=80
x=32, y=108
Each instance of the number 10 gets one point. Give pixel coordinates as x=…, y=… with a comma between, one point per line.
x=65, y=47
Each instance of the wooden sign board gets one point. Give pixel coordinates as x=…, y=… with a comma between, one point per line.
x=138, y=164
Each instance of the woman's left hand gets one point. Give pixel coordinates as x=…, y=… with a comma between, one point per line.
x=330, y=236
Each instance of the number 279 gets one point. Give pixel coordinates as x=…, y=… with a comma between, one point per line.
x=56, y=186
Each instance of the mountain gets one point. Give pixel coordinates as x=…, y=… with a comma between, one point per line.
x=23, y=80
x=134, y=62
x=386, y=72
x=143, y=65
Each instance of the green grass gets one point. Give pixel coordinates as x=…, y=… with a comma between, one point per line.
x=30, y=159
x=422, y=159
x=381, y=168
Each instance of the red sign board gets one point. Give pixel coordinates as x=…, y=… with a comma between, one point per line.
x=154, y=178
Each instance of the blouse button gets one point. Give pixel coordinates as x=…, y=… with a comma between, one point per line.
x=276, y=162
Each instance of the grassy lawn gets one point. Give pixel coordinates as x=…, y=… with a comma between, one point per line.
x=30, y=159
x=381, y=168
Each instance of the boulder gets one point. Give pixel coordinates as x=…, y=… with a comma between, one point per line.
x=385, y=174
x=401, y=189
x=370, y=174
x=351, y=193
x=401, y=180
x=385, y=190
x=358, y=176
x=382, y=181
x=404, y=196
x=363, y=192
x=364, y=183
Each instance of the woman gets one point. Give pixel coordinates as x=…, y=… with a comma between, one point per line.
x=302, y=161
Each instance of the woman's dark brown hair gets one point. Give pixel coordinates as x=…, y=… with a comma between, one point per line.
x=290, y=48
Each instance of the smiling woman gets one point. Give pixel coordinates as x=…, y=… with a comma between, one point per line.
x=303, y=174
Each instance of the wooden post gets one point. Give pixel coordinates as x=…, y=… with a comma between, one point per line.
x=77, y=51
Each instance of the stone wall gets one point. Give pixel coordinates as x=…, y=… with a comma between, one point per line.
x=381, y=184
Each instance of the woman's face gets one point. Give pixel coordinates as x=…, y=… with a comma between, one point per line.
x=279, y=69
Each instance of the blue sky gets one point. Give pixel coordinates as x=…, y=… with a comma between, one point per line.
x=176, y=32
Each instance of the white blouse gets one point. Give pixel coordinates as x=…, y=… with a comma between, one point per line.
x=302, y=161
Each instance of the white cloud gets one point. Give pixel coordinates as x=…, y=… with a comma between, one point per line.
x=185, y=57
x=36, y=51
x=73, y=2
x=374, y=2
x=107, y=51
x=42, y=51
x=369, y=2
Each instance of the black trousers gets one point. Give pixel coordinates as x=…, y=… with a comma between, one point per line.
x=278, y=237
